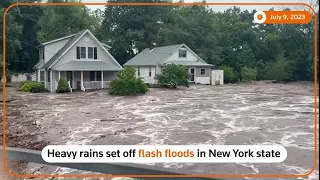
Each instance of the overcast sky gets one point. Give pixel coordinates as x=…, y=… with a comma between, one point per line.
x=222, y=8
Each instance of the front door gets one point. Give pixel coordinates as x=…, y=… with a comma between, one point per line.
x=70, y=77
x=192, y=72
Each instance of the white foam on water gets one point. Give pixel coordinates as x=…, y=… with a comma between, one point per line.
x=302, y=170
x=247, y=108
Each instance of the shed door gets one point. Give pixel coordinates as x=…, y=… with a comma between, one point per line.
x=217, y=75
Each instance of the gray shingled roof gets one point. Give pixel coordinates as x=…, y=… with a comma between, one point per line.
x=158, y=54
x=92, y=65
x=147, y=57
x=64, y=48
x=190, y=63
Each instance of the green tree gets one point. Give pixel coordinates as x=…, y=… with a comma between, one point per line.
x=279, y=70
x=174, y=75
x=130, y=28
x=63, y=86
x=230, y=76
x=248, y=74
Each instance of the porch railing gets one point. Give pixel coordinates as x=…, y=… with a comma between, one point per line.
x=19, y=154
x=96, y=84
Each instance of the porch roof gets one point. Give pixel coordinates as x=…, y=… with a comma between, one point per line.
x=92, y=65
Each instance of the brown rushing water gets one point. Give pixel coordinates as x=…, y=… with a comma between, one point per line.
x=258, y=113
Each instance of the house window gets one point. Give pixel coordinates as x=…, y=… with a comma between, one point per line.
x=48, y=75
x=41, y=76
x=182, y=53
x=92, y=75
x=149, y=71
x=41, y=53
x=138, y=71
x=90, y=52
x=203, y=71
x=98, y=75
x=83, y=53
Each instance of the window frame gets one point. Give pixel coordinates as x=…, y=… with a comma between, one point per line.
x=98, y=79
x=205, y=72
x=48, y=76
x=41, y=53
x=83, y=53
x=88, y=52
x=94, y=75
x=41, y=72
x=182, y=52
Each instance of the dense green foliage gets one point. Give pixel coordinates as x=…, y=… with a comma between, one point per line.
x=248, y=74
x=32, y=86
x=230, y=76
x=127, y=84
x=225, y=39
x=63, y=86
x=174, y=75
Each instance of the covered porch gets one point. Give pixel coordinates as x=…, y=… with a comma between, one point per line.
x=83, y=75
x=80, y=80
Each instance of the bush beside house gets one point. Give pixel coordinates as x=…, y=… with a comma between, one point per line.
x=127, y=84
x=248, y=74
x=63, y=86
x=31, y=86
x=173, y=76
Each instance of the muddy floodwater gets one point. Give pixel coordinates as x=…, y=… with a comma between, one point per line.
x=240, y=114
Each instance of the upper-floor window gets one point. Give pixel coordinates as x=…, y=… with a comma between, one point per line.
x=87, y=53
x=182, y=53
x=90, y=52
x=41, y=53
x=83, y=52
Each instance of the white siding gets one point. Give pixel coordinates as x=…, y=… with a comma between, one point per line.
x=144, y=73
x=72, y=53
x=158, y=70
x=175, y=57
x=53, y=48
x=202, y=80
x=217, y=77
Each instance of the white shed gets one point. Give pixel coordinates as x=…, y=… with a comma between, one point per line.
x=217, y=77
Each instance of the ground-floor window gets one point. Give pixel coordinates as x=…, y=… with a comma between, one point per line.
x=48, y=72
x=41, y=76
x=95, y=76
x=203, y=71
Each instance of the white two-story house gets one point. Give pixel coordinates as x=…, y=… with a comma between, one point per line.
x=80, y=58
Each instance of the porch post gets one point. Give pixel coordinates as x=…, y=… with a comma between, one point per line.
x=101, y=79
x=51, y=83
x=38, y=75
x=81, y=84
x=59, y=75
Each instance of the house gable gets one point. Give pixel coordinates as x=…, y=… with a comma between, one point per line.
x=190, y=55
x=83, y=39
x=52, y=48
